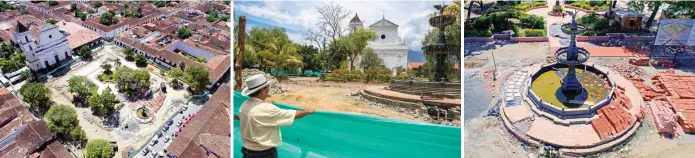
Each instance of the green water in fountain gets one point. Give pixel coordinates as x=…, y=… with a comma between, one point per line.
x=548, y=87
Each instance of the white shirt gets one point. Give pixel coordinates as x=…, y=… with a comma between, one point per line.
x=260, y=124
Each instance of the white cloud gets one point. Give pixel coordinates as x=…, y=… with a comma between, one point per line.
x=411, y=16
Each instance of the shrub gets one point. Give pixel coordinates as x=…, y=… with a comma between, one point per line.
x=557, y=9
x=478, y=33
x=534, y=32
x=532, y=21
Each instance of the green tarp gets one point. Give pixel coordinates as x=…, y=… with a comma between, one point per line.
x=332, y=134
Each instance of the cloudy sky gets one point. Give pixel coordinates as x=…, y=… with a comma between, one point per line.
x=295, y=16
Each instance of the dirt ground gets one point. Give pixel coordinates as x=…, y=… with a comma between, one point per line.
x=332, y=96
x=486, y=136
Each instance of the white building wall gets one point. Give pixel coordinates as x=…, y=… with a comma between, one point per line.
x=52, y=43
x=193, y=51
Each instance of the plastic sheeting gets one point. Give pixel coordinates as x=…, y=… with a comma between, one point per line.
x=331, y=134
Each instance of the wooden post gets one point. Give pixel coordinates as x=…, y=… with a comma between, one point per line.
x=239, y=56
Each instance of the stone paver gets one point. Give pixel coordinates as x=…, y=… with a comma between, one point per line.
x=575, y=135
x=518, y=113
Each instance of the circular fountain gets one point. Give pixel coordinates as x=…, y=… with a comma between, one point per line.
x=571, y=105
x=569, y=86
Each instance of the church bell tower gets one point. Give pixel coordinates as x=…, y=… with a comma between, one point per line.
x=355, y=23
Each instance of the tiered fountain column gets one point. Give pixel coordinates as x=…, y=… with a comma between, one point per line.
x=572, y=56
x=441, y=49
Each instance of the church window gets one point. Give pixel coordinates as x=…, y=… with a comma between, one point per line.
x=383, y=36
x=50, y=36
x=26, y=38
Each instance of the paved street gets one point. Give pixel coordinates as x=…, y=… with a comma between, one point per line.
x=170, y=130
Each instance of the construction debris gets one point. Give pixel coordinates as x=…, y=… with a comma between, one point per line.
x=664, y=118
x=274, y=87
x=677, y=90
x=626, y=70
x=614, y=118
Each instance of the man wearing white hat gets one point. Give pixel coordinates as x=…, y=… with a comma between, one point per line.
x=260, y=121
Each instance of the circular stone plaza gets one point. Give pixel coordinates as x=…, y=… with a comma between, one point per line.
x=577, y=107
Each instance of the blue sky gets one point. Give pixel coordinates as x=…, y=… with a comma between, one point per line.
x=295, y=16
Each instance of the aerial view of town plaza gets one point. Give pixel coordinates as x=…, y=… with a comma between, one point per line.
x=579, y=78
x=103, y=79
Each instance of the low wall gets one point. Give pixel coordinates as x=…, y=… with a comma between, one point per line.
x=448, y=85
x=477, y=39
x=619, y=36
x=576, y=111
x=577, y=8
x=532, y=8
x=501, y=36
x=505, y=37
x=530, y=39
x=592, y=38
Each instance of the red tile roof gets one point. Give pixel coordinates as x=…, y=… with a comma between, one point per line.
x=210, y=128
x=217, y=66
x=33, y=131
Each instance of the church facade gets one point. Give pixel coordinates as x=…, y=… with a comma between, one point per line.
x=43, y=44
x=388, y=45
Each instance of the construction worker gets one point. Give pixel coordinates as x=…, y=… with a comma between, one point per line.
x=260, y=121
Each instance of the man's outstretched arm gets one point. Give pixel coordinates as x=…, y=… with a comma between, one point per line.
x=299, y=114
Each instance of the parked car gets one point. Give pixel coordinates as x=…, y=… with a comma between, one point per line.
x=166, y=139
x=179, y=123
x=154, y=141
x=144, y=152
x=153, y=155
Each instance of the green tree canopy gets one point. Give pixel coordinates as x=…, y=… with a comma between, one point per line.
x=197, y=78
x=62, y=120
x=370, y=59
x=81, y=86
x=37, y=95
x=183, y=33
x=103, y=104
x=85, y=52
x=99, y=148
x=129, y=54
x=310, y=56
x=107, y=18
x=130, y=82
x=281, y=55
x=337, y=53
x=359, y=40
x=174, y=75
x=140, y=60
x=97, y=4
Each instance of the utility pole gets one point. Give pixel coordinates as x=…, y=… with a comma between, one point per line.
x=240, y=54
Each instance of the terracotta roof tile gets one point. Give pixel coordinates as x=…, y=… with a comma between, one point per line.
x=211, y=122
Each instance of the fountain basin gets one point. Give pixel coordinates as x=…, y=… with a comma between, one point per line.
x=545, y=89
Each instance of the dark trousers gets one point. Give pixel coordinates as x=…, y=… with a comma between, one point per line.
x=270, y=153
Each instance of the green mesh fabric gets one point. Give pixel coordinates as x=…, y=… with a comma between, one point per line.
x=332, y=134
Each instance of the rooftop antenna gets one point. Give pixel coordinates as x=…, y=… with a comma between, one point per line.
x=382, y=15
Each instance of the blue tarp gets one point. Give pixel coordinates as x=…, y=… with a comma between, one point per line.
x=332, y=134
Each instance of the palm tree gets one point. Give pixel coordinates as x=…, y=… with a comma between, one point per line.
x=280, y=56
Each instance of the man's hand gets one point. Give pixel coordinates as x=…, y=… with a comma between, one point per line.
x=309, y=110
x=300, y=114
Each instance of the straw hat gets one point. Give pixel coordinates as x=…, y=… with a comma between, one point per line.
x=254, y=83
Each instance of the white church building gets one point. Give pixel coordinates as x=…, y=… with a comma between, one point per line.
x=388, y=46
x=43, y=44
